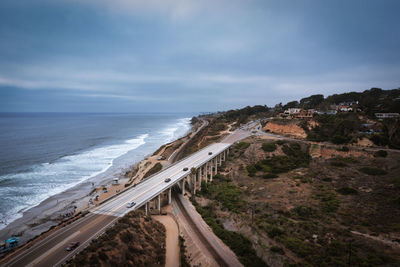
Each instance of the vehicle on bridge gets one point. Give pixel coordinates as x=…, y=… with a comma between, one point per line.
x=130, y=204
x=167, y=180
x=72, y=246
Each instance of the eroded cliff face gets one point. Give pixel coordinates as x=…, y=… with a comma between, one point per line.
x=290, y=129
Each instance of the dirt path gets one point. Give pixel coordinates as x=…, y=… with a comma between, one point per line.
x=172, y=243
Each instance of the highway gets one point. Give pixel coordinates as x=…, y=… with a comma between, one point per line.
x=155, y=185
x=51, y=250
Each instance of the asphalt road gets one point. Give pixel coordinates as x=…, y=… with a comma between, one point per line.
x=155, y=185
x=51, y=250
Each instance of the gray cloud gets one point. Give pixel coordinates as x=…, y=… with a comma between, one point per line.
x=191, y=55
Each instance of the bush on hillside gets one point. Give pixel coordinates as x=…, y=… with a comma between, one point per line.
x=268, y=147
x=373, y=171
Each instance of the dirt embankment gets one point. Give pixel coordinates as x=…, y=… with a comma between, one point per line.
x=133, y=241
x=291, y=129
x=327, y=152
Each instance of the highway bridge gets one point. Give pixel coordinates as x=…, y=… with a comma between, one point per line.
x=152, y=193
x=186, y=173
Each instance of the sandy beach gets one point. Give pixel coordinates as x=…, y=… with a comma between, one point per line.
x=64, y=206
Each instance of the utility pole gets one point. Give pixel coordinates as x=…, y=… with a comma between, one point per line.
x=349, y=262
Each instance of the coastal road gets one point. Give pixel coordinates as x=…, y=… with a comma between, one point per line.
x=51, y=250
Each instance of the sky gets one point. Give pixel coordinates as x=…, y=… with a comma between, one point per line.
x=191, y=55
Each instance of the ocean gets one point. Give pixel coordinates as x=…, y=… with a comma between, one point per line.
x=43, y=154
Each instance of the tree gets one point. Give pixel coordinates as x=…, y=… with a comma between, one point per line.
x=292, y=104
x=311, y=101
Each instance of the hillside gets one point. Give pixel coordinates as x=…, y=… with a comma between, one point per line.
x=299, y=210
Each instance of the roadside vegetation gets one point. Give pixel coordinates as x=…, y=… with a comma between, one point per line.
x=294, y=157
x=156, y=168
x=301, y=210
x=133, y=241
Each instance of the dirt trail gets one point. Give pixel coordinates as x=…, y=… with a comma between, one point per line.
x=172, y=242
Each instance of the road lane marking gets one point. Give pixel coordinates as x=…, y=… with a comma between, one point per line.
x=43, y=242
x=115, y=208
x=39, y=259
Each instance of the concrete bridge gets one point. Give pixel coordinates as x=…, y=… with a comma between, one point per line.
x=187, y=174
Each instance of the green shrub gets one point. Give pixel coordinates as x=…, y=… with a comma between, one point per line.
x=276, y=249
x=329, y=200
x=242, y=145
x=338, y=164
x=251, y=170
x=380, y=139
x=280, y=142
x=268, y=147
x=303, y=211
x=396, y=182
x=344, y=149
x=347, y=191
x=266, y=168
x=275, y=231
x=126, y=237
x=339, y=139
x=381, y=153
x=239, y=244
x=269, y=176
x=297, y=246
x=373, y=171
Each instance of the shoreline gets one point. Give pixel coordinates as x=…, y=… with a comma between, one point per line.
x=63, y=206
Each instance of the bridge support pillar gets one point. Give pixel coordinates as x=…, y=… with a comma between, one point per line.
x=159, y=203
x=183, y=186
x=207, y=167
x=146, y=208
x=169, y=195
x=216, y=166
x=194, y=183
x=200, y=173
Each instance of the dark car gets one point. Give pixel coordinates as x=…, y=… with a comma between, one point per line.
x=167, y=180
x=185, y=169
x=72, y=246
x=209, y=153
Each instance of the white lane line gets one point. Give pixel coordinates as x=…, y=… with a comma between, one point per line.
x=114, y=208
x=44, y=255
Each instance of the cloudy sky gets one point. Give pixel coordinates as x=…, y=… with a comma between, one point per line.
x=191, y=55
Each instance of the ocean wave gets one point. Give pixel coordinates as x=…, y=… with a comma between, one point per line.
x=21, y=191
x=24, y=190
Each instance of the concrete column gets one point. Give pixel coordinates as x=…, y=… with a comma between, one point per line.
x=159, y=204
x=219, y=160
x=194, y=183
x=207, y=167
x=145, y=208
x=199, y=174
x=169, y=195
x=216, y=166
x=154, y=203
x=183, y=186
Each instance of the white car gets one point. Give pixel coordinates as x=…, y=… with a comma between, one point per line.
x=130, y=204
